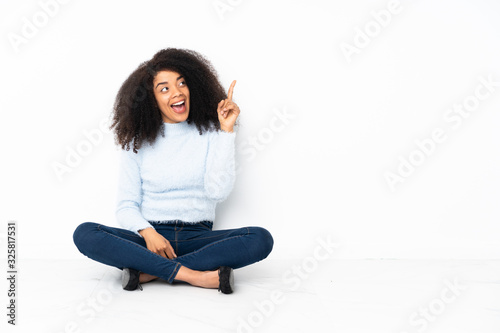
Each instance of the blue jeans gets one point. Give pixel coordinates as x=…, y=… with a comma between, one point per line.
x=196, y=245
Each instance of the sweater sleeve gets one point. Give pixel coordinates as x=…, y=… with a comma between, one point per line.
x=220, y=165
x=129, y=196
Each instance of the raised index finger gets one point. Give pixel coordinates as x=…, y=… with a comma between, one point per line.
x=230, y=93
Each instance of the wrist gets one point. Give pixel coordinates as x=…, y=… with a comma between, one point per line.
x=146, y=231
x=227, y=129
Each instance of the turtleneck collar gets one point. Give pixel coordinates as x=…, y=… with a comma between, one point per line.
x=176, y=128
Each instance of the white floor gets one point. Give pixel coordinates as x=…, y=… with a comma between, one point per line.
x=344, y=296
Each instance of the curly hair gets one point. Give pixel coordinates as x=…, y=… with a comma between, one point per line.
x=136, y=117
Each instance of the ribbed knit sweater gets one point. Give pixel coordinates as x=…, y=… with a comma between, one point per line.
x=181, y=176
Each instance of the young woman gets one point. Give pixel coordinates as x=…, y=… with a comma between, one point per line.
x=174, y=114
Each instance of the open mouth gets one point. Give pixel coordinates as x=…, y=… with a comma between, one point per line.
x=179, y=107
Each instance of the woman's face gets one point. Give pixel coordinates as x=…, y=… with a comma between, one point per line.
x=172, y=96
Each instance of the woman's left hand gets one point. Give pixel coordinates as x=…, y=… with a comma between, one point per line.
x=228, y=111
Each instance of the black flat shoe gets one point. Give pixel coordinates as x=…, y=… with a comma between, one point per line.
x=226, y=280
x=130, y=279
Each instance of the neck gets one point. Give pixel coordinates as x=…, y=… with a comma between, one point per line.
x=174, y=128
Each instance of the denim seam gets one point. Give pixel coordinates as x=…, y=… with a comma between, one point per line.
x=205, y=227
x=123, y=233
x=174, y=272
x=175, y=239
x=197, y=238
x=127, y=241
x=214, y=243
x=246, y=248
x=182, y=226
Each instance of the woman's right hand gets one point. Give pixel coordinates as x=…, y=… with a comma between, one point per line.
x=157, y=243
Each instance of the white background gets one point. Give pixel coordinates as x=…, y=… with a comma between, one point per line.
x=322, y=173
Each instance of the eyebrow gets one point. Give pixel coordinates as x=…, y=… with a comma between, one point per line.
x=180, y=77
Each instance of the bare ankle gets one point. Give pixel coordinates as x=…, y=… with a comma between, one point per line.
x=210, y=279
x=204, y=279
x=145, y=277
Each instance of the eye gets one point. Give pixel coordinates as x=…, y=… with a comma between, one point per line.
x=182, y=83
x=163, y=89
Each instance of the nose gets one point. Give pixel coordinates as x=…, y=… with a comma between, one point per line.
x=175, y=92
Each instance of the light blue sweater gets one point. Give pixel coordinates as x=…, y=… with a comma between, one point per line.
x=181, y=176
